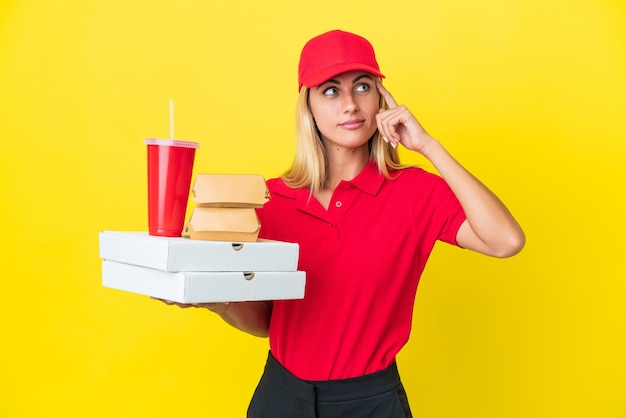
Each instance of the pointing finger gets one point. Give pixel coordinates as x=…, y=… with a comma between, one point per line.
x=386, y=95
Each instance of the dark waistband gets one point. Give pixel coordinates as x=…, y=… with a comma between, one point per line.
x=332, y=390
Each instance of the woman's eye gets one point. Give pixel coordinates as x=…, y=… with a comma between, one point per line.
x=362, y=88
x=330, y=91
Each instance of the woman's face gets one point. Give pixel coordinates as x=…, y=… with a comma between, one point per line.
x=345, y=108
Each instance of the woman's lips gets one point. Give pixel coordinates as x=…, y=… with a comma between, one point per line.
x=352, y=124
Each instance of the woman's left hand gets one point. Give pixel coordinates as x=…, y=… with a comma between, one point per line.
x=398, y=125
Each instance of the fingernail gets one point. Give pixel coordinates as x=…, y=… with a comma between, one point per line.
x=394, y=144
x=385, y=139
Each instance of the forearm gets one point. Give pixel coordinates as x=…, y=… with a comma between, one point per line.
x=494, y=231
x=490, y=228
x=250, y=317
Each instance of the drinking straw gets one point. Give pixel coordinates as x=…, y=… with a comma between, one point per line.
x=171, y=119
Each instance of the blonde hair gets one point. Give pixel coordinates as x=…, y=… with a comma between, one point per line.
x=310, y=164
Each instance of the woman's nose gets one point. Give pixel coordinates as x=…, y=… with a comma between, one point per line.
x=349, y=103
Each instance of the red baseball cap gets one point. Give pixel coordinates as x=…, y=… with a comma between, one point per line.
x=333, y=53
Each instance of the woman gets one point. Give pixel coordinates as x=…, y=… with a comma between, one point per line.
x=366, y=226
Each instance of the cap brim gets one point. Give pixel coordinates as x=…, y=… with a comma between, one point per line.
x=329, y=72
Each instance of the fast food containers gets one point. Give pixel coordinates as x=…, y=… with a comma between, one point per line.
x=221, y=260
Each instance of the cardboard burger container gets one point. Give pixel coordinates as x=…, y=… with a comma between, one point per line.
x=225, y=207
x=230, y=190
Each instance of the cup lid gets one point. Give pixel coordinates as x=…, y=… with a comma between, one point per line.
x=171, y=143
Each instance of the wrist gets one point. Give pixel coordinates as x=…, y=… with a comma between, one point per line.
x=430, y=148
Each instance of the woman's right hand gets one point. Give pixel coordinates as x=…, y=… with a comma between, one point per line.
x=219, y=308
x=251, y=317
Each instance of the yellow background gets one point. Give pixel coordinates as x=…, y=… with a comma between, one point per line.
x=529, y=94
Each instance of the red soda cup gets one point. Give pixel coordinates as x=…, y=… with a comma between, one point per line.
x=170, y=164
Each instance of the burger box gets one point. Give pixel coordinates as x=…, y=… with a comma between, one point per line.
x=223, y=224
x=176, y=254
x=230, y=190
x=204, y=286
x=225, y=207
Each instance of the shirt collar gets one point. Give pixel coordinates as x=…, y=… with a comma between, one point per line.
x=369, y=180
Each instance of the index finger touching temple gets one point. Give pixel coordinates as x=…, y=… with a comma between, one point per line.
x=386, y=95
